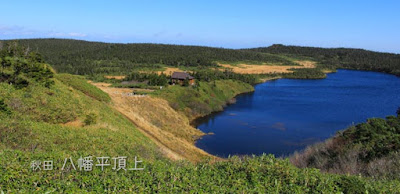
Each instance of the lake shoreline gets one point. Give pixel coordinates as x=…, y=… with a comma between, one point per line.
x=329, y=127
x=194, y=121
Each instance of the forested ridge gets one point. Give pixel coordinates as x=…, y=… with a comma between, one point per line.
x=83, y=57
x=358, y=59
x=93, y=58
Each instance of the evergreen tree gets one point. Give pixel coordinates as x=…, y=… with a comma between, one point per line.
x=20, y=67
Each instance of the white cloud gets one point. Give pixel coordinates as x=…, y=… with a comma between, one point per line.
x=76, y=34
x=62, y=34
x=56, y=34
x=15, y=30
x=22, y=32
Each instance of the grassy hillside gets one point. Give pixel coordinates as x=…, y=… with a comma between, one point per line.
x=82, y=85
x=203, y=98
x=46, y=120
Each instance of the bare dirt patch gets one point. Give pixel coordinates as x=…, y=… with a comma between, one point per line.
x=154, y=117
x=76, y=123
x=170, y=70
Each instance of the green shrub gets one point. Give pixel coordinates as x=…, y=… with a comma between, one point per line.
x=313, y=73
x=152, y=79
x=20, y=72
x=90, y=119
x=4, y=108
x=369, y=148
x=204, y=97
x=212, y=75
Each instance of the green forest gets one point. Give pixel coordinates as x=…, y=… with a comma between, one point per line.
x=86, y=58
x=358, y=59
x=95, y=58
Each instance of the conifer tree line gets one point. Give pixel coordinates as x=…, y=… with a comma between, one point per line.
x=87, y=58
x=91, y=58
x=358, y=59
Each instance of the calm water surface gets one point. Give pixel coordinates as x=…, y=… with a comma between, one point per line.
x=286, y=115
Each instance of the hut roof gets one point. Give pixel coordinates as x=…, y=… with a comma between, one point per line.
x=181, y=75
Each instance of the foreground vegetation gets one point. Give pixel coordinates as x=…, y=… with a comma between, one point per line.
x=370, y=149
x=261, y=174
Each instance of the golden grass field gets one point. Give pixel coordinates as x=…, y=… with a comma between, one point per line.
x=118, y=77
x=241, y=68
x=169, y=70
x=266, y=69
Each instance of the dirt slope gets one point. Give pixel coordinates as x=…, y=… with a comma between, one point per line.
x=169, y=129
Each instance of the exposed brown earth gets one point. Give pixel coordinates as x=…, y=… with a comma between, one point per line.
x=154, y=117
x=76, y=123
x=169, y=70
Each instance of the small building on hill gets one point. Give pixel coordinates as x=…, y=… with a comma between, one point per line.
x=180, y=77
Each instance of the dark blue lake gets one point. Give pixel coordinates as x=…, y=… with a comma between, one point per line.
x=286, y=115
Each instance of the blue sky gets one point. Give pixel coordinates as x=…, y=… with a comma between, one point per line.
x=373, y=25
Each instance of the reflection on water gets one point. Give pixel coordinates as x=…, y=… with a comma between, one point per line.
x=286, y=115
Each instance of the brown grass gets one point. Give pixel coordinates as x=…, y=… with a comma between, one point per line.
x=166, y=71
x=169, y=70
x=76, y=123
x=118, y=77
x=267, y=69
x=154, y=117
